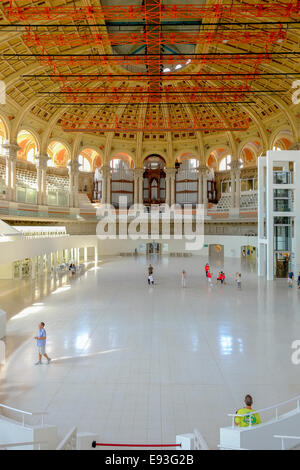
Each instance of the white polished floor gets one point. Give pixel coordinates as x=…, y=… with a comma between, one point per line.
x=140, y=364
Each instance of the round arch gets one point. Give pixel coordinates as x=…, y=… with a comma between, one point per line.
x=282, y=139
x=4, y=130
x=124, y=157
x=185, y=156
x=59, y=154
x=29, y=145
x=90, y=159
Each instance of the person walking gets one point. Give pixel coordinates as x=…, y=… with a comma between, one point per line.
x=207, y=268
x=41, y=339
x=183, y=278
x=150, y=270
x=150, y=280
x=209, y=278
x=238, y=280
x=298, y=281
x=290, y=278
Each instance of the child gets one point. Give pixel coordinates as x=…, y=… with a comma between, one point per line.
x=209, y=278
x=221, y=277
x=150, y=280
x=238, y=278
x=290, y=279
x=183, y=278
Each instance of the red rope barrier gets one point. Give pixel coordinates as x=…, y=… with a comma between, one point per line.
x=96, y=444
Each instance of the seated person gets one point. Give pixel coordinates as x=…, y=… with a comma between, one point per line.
x=244, y=420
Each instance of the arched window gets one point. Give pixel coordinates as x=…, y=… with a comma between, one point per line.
x=117, y=164
x=84, y=164
x=225, y=163
x=31, y=155
x=59, y=155
x=28, y=146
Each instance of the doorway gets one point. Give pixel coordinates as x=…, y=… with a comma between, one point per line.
x=282, y=263
x=153, y=248
x=216, y=255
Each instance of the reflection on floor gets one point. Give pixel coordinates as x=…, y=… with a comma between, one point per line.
x=141, y=364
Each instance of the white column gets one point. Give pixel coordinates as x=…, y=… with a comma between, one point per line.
x=48, y=260
x=11, y=150
x=238, y=190
x=96, y=255
x=8, y=177
x=54, y=261
x=33, y=268
x=232, y=176
x=200, y=186
x=170, y=186
x=73, y=167
x=172, y=182
x=235, y=184
x=42, y=165
x=108, y=190
x=270, y=221
x=21, y=270
x=141, y=186
x=85, y=254
x=105, y=171
x=136, y=187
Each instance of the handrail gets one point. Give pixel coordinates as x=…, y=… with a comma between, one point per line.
x=267, y=409
x=230, y=448
x=285, y=437
x=22, y=444
x=24, y=413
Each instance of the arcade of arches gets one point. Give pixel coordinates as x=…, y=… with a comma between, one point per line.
x=152, y=180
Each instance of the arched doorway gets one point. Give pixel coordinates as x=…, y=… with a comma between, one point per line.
x=154, y=180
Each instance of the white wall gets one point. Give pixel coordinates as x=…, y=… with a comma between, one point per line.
x=22, y=248
x=232, y=245
x=12, y=432
x=260, y=437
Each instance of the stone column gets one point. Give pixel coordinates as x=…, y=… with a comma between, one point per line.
x=105, y=170
x=11, y=151
x=21, y=270
x=235, y=172
x=238, y=189
x=73, y=167
x=136, y=187
x=170, y=186
x=42, y=165
x=108, y=190
x=96, y=255
x=54, y=261
x=33, y=268
x=202, y=186
x=232, y=176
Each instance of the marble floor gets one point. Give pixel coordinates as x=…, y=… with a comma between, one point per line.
x=140, y=364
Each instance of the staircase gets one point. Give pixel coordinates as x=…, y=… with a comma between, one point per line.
x=85, y=204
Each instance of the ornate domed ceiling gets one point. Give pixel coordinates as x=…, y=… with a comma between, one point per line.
x=184, y=68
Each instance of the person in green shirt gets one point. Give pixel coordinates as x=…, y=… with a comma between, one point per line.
x=244, y=420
